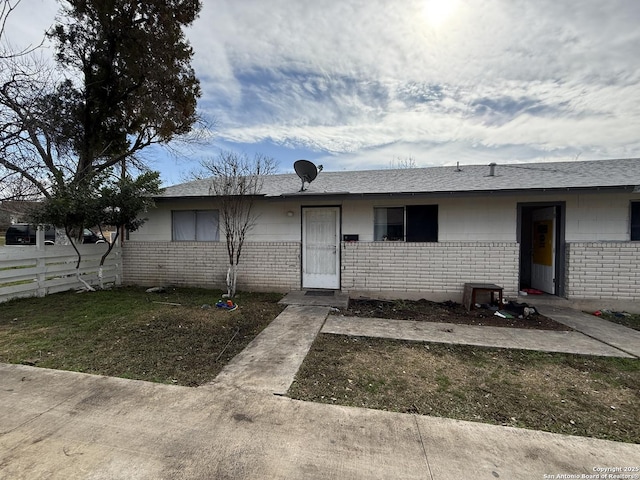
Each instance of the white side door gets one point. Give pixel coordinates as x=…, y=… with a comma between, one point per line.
x=543, y=260
x=321, y=247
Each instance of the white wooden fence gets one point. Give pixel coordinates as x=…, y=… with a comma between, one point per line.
x=28, y=271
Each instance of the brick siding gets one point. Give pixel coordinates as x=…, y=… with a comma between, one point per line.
x=375, y=267
x=603, y=270
x=429, y=267
x=272, y=266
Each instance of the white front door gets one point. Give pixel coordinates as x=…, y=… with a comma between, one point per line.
x=543, y=261
x=321, y=247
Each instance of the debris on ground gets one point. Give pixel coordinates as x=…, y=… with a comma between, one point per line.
x=531, y=291
x=524, y=316
x=520, y=310
x=155, y=290
x=604, y=311
x=631, y=320
x=227, y=305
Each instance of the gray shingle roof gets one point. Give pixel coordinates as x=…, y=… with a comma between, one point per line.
x=470, y=178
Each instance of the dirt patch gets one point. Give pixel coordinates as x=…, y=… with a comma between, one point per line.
x=447, y=312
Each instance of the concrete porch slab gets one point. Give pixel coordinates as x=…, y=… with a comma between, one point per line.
x=317, y=298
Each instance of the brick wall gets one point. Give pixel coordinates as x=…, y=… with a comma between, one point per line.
x=424, y=269
x=272, y=266
x=603, y=270
x=429, y=268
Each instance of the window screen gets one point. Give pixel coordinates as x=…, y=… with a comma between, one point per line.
x=388, y=223
x=195, y=225
x=415, y=223
x=422, y=223
x=635, y=221
x=207, y=226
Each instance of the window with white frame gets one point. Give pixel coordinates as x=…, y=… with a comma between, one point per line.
x=412, y=223
x=195, y=225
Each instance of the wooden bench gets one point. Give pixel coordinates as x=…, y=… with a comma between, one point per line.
x=471, y=290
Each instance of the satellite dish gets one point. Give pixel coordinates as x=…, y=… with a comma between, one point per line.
x=307, y=171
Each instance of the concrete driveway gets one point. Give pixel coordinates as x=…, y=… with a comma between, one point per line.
x=65, y=425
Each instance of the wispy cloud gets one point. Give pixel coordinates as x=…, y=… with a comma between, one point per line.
x=361, y=83
x=531, y=79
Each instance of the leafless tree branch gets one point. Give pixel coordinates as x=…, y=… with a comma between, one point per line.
x=6, y=50
x=406, y=162
x=236, y=182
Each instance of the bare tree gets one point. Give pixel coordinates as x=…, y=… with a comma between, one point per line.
x=407, y=162
x=28, y=154
x=15, y=187
x=16, y=64
x=7, y=51
x=236, y=182
x=23, y=77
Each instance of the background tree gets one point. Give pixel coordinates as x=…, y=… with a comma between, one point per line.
x=69, y=207
x=129, y=84
x=117, y=202
x=120, y=204
x=406, y=162
x=236, y=182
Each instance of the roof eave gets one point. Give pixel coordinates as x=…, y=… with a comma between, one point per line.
x=448, y=193
x=511, y=191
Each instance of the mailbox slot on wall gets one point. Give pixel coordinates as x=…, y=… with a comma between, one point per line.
x=350, y=238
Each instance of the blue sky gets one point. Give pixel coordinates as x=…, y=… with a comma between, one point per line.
x=359, y=85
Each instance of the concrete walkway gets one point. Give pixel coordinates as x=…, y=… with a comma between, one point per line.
x=322, y=298
x=618, y=336
x=270, y=362
x=66, y=425
x=501, y=337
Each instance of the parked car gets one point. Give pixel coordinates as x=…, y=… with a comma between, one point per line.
x=25, y=234
x=92, y=237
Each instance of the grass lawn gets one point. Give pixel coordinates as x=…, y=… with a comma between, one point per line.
x=631, y=320
x=570, y=394
x=126, y=332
